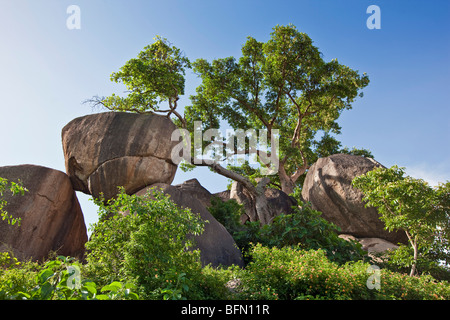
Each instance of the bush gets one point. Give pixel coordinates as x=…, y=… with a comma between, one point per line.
x=57, y=279
x=149, y=241
x=303, y=228
x=289, y=273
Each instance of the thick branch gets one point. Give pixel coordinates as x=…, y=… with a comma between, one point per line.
x=229, y=174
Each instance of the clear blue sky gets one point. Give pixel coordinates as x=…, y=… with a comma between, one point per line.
x=47, y=70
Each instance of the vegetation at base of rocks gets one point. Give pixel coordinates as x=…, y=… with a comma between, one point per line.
x=57, y=279
x=292, y=273
x=304, y=228
x=148, y=239
x=282, y=87
x=142, y=248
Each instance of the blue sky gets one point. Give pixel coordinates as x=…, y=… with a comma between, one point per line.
x=47, y=70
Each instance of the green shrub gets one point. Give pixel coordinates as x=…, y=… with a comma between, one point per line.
x=304, y=228
x=291, y=273
x=15, y=276
x=57, y=279
x=147, y=240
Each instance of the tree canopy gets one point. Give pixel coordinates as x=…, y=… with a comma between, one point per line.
x=281, y=84
x=156, y=77
x=283, y=88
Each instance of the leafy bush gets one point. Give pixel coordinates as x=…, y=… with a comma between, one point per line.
x=304, y=228
x=142, y=248
x=149, y=241
x=57, y=279
x=290, y=273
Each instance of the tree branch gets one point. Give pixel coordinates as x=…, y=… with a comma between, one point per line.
x=229, y=174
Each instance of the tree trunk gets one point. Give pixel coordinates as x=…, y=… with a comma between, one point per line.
x=262, y=207
x=414, y=245
x=261, y=203
x=287, y=184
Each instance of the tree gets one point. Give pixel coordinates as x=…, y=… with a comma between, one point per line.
x=282, y=86
x=409, y=204
x=152, y=79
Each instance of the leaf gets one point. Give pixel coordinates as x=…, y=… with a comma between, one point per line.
x=132, y=296
x=90, y=287
x=44, y=275
x=113, y=287
x=45, y=291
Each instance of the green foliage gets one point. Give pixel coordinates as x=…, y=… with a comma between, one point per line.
x=15, y=276
x=411, y=205
x=328, y=145
x=303, y=228
x=147, y=239
x=154, y=77
x=291, y=273
x=280, y=84
x=15, y=188
x=57, y=279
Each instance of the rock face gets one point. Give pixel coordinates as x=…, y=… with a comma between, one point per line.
x=51, y=215
x=194, y=189
x=278, y=201
x=328, y=187
x=371, y=245
x=106, y=150
x=215, y=243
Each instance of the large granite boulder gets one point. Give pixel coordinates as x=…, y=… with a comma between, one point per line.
x=106, y=150
x=216, y=245
x=328, y=187
x=51, y=217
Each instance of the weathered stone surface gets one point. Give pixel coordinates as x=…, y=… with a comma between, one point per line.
x=51, y=215
x=193, y=188
x=376, y=245
x=328, y=187
x=106, y=150
x=215, y=243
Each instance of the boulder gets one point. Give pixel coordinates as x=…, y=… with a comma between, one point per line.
x=216, y=245
x=51, y=217
x=106, y=150
x=193, y=188
x=328, y=187
x=376, y=245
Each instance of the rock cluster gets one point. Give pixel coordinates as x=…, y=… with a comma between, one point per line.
x=107, y=150
x=102, y=152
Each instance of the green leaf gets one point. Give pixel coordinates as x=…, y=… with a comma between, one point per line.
x=113, y=287
x=45, y=291
x=44, y=275
x=90, y=287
